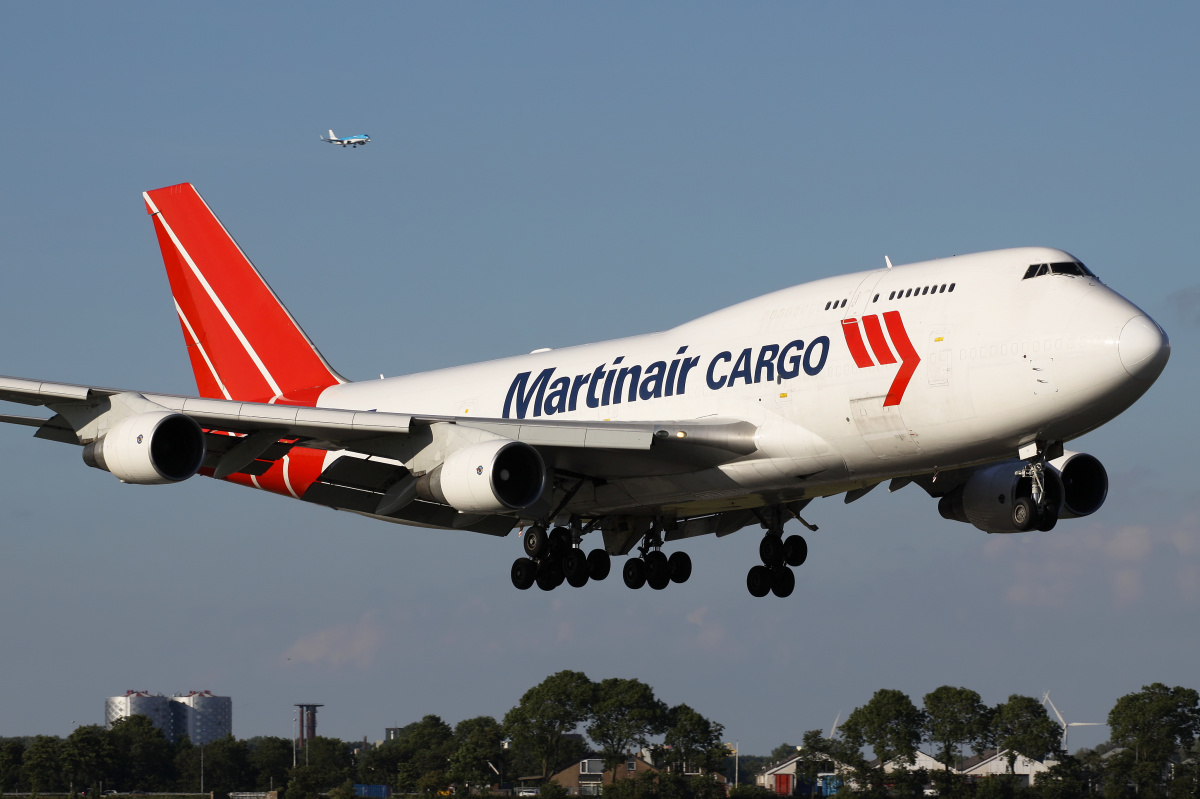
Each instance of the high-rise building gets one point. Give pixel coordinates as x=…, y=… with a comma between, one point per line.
x=199, y=715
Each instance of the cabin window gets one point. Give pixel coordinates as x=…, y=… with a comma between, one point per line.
x=908, y=293
x=827, y=305
x=952, y=287
x=925, y=291
x=876, y=298
x=892, y=296
x=943, y=289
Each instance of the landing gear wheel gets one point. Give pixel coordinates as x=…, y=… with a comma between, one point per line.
x=549, y=575
x=534, y=541
x=560, y=542
x=783, y=581
x=770, y=549
x=658, y=569
x=681, y=566
x=634, y=573
x=524, y=572
x=795, y=550
x=1047, y=519
x=575, y=567
x=758, y=581
x=1024, y=514
x=599, y=564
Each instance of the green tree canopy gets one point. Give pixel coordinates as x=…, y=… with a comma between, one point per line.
x=12, y=753
x=1152, y=724
x=43, y=764
x=87, y=756
x=890, y=724
x=1022, y=726
x=954, y=717
x=624, y=714
x=546, y=714
x=479, y=753
x=692, y=740
x=271, y=760
x=144, y=760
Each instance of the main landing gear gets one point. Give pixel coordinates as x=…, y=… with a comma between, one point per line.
x=555, y=557
x=778, y=555
x=653, y=567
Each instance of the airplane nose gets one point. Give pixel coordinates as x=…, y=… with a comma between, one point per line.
x=1143, y=347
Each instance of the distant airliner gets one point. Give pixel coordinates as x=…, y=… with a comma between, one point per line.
x=963, y=375
x=353, y=141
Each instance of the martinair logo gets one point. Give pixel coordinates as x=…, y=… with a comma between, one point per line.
x=909, y=359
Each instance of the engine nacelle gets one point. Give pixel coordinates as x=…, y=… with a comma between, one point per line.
x=149, y=448
x=488, y=477
x=1084, y=484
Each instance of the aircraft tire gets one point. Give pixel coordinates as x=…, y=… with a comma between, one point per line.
x=523, y=573
x=1024, y=514
x=534, y=541
x=560, y=542
x=681, y=567
x=634, y=573
x=758, y=581
x=783, y=581
x=599, y=564
x=578, y=580
x=658, y=568
x=1047, y=519
x=659, y=580
x=770, y=550
x=795, y=550
x=575, y=565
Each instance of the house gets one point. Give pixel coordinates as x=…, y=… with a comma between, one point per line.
x=924, y=760
x=786, y=777
x=587, y=777
x=995, y=762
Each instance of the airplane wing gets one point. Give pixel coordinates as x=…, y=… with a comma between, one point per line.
x=371, y=452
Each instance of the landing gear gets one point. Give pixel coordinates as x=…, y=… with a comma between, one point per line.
x=653, y=567
x=554, y=557
x=778, y=555
x=1040, y=509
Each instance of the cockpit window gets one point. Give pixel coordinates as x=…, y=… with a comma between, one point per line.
x=1070, y=268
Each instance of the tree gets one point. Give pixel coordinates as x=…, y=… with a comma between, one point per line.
x=1022, y=726
x=270, y=760
x=890, y=724
x=692, y=741
x=545, y=715
x=783, y=752
x=1153, y=724
x=420, y=757
x=479, y=754
x=624, y=714
x=144, y=760
x=953, y=717
x=225, y=762
x=12, y=753
x=87, y=756
x=42, y=764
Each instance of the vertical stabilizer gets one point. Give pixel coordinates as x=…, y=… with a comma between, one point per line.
x=332, y=135
x=243, y=343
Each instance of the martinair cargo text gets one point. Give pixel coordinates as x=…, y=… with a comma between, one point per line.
x=965, y=375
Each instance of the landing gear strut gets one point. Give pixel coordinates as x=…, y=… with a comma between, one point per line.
x=554, y=557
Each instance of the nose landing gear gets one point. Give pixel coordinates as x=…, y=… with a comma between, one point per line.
x=1040, y=509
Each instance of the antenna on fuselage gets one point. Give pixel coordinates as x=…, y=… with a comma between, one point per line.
x=887, y=261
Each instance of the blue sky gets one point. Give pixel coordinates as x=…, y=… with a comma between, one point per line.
x=550, y=174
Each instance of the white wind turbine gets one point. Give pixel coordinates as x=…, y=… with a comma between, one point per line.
x=1065, y=725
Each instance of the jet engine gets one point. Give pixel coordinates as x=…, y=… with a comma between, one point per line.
x=1076, y=485
x=1084, y=484
x=149, y=448
x=488, y=477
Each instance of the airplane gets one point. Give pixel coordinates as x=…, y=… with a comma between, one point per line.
x=965, y=375
x=353, y=141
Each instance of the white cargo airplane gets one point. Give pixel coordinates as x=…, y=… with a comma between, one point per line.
x=353, y=141
x=964, y=375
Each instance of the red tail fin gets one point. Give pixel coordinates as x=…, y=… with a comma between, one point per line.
x=243, y=343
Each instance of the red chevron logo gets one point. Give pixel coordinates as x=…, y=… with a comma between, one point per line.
x=909, y=359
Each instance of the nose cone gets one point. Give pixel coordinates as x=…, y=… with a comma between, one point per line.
x=1143, y=347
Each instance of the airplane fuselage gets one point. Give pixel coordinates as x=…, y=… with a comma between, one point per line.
x=849, y=380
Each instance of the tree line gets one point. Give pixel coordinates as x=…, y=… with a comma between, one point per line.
x=535, y=739
x=1152, y=751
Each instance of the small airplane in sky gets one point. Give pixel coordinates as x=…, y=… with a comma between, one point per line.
x=353, y=141
x=965, y=376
